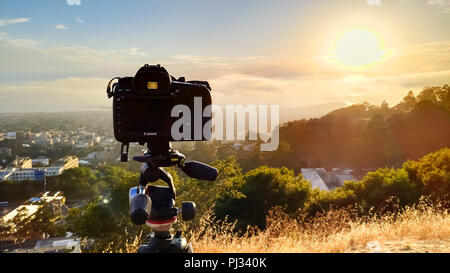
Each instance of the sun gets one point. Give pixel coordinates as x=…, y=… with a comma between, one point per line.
x=357, y=48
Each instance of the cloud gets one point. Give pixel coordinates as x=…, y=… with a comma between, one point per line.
x=59, y=26
x=73, y=2
x=421, y=58
x=373, y=2
x=238, y=88
x=24, y=43
x=438, y=2
x=58, y=95
x=20, y=56
x=442, y=5
x=79, y=20
x=4, y=22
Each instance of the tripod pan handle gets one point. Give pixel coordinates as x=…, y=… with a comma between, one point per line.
x=199, y=170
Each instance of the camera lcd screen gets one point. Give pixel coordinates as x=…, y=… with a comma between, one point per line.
x=147, y=115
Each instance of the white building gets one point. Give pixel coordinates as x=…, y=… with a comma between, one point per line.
x=67, y=162
x=324, y=180
x=54, y=170
x=22, y=175
x=11, y=135
x=26, y=174
x=6, y=175
x=312, y=174
x=22, y=162
x=83, y=162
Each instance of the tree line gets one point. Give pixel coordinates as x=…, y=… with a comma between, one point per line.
x=361, y=136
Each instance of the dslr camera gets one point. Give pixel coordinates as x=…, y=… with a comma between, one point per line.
x=142, y=106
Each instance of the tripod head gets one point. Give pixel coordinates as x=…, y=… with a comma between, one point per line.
x=155, y=204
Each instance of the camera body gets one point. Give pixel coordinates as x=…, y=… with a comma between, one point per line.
x=142, y=105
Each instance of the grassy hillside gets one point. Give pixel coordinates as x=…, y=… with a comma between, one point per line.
x=421, y=228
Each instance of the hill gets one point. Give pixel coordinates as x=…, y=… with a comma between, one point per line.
x=422, y=228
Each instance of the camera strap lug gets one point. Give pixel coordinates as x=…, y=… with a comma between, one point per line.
x=109, y=90
x=124, y=155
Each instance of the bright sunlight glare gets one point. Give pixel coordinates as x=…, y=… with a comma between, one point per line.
x=357, y=48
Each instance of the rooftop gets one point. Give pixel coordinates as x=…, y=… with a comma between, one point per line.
x=313, y=176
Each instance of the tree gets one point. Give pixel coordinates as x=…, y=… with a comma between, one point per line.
x=248, y=199
x=324, y=200
x=97, y=220
x=384, y=183
x=76, y=183
x=428, y=93
x=443, y=95
x=25, y=225
x=205, y=193
x=203, y=151
x=432, y=173
x=408, y=102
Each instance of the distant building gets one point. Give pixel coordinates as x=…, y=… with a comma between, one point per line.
x=22, y=175
x=42, y=160
x=92, y=155
x=62, y=164
x=54, y=171
x=83, y=162
x=56, y=203
x=22, y=170
x=84, y=144
x=67, y=162
x=22, y=162
x=314, y=177
x=27, y=174
x=324, y=180
x=50, y=245
x=338, y=176
x=6, y=175
x=10, y=135
x=28, y=210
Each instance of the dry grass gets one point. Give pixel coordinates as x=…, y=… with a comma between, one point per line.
x=421, y=228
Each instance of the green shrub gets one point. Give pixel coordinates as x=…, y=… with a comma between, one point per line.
x=431, y=173
x=248, y=199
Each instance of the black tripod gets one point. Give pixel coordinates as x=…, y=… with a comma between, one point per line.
x=154, y=205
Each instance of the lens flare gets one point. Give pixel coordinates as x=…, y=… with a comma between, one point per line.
x=357, y=48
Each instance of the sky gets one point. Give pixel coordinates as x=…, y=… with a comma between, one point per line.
x=58, y=55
